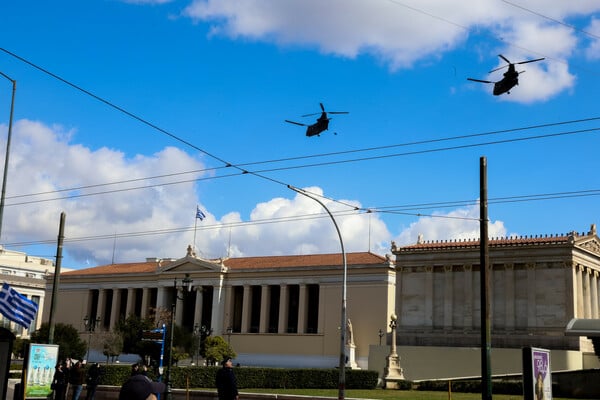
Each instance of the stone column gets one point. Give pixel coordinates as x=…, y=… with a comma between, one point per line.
x=246, y=307
x=145, y=302
x=265, y=297
x=302, y=302
x=100, y=307
x=114, y=309
x=595, y=313
x=283, y=309
x=198, y=307
x=178, y=296
x=130, y=306
x=579, y=311
x=587, y=296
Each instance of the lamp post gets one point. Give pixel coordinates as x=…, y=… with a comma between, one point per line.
x=381, y=334
x=229, y=332
x=186, y=283
x=6, y=157
x=342, y=361
x=393, y=372
x=90, y=327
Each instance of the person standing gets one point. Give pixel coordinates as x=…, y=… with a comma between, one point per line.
x=76, y=379
x=59, y=382
x=92, y=380
x=226, y=382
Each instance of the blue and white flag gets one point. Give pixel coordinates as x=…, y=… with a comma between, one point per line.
x=199, y=214
x=16, y=307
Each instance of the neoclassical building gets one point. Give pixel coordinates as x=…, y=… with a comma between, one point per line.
x=276, y=311
x=285, y=310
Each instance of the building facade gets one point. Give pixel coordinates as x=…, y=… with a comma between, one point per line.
x=275, y=311
x=285, y=310
x=537, y=286
x=27, y=275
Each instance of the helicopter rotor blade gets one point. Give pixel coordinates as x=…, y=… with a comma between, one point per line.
x=322, y=108
x=529, y=61
x=310, y=115
x=295, y=123
x=497, y=69
x=504, y=58
x=338, y=112
x=479, y=80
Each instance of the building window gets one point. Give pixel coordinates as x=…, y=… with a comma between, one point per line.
x=312, y=309
x=255, y=295
x=293, y=307
x=238, y=302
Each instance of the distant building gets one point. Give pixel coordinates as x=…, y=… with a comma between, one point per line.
x=27, y=275
x=285, y=310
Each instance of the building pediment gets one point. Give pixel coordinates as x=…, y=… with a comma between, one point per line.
x=191, y=264
x=590, y=244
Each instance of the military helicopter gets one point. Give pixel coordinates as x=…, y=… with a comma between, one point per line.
x=511, y=76
x=322, y=123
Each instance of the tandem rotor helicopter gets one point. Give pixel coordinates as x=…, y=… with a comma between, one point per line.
x=511, y=76
x=322, y=123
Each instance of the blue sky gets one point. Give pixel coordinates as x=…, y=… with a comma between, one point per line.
x=156, y=97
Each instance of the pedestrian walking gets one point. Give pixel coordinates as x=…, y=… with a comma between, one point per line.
x=92, y=380
x=76, y=379
x=226, y=381
x=59, y=382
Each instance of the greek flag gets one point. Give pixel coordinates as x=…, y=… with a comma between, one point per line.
x=16, y=307
x=199, y=214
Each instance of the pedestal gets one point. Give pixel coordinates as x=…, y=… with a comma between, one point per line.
x=392, y=373
x=351, y=353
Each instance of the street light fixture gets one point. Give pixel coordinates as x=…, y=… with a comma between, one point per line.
x=90, y=327
x=202, y=331
x=10, y=122
x=342, y=361
x=186, y=284
x=381, y=334
x=229, y=332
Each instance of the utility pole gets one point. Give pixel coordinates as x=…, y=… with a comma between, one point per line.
x=484, y=262
x=56, y=281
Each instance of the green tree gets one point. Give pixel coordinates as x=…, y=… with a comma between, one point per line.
x=66, y=337
x=217, y=349
x=113, y=345
x=131, y=329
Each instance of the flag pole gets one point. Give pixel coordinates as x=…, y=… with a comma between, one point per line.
x=195, y=225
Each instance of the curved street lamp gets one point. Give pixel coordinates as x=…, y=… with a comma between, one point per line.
x=90, y=327
x=186, y=283
x=10, y=121
x=342, y=363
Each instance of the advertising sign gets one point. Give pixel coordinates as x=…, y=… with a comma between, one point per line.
x=40, y=364
x=537, y=379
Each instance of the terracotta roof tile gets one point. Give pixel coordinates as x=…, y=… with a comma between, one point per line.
x=266, y=262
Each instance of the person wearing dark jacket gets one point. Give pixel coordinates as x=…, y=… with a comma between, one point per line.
x=93, y=377
x=76, y=379
x=226, y=381
x=59, y=383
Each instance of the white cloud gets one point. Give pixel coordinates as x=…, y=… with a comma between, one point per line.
x=593, y=51
x=402, y=33
x=461, y=224
x=157, y=221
